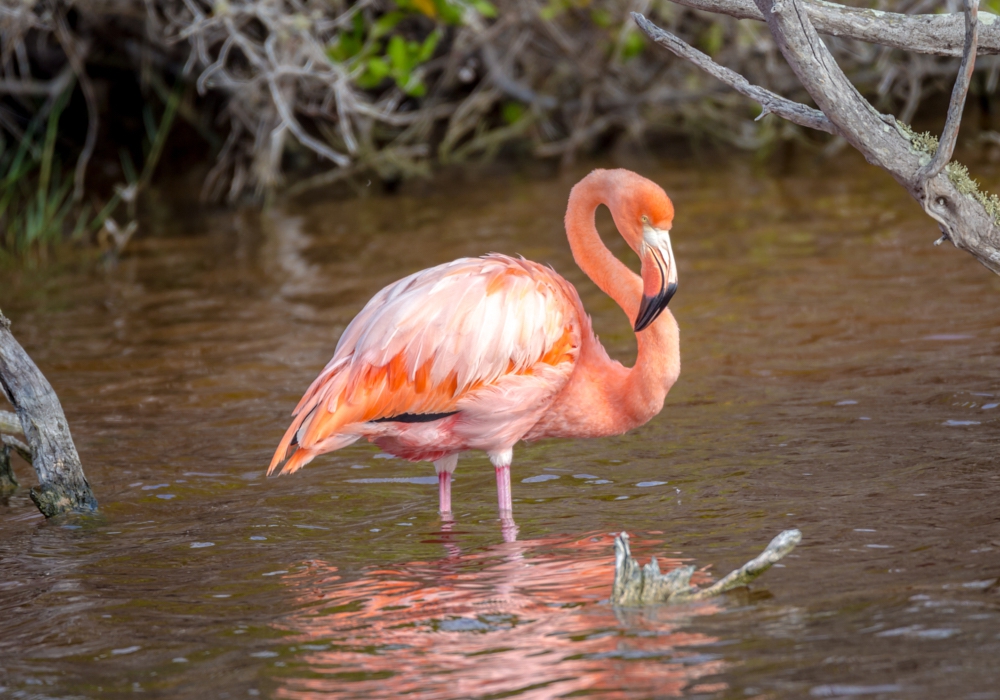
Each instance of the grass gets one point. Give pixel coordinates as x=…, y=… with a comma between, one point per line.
x=37, y=209
x=36, y=204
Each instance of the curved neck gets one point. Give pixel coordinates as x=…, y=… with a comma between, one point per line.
x=658, y=363
x=608, y=272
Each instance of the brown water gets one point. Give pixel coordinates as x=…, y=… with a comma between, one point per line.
x=840, y=376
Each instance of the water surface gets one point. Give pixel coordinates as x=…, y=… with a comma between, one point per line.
x=840, y=375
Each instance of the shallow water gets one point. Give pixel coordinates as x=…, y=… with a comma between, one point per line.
x=840, y=375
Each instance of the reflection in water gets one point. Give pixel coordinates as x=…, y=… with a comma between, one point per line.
x=521, y=617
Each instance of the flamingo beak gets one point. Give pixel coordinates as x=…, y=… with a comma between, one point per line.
x=659, y=275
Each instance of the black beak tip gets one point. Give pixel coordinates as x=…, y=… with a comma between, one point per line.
x=652, y=307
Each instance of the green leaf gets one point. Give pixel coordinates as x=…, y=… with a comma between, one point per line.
x=414, y=86
x=512, y=112
x=635, y=44
x=449, y=13
x=399, y=56
x=551, y=11
x=376, y=70
x=712, y=39
x=484, y=7
x=427, y=49
x=601, y=17
x=386, y=23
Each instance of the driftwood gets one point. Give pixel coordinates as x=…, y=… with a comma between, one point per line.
x=966, y=216
x=640, y=586
x=50, y=450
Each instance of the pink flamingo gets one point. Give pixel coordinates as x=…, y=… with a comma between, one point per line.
x=479, y=353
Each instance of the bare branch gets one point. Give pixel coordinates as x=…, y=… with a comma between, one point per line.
x=941, y=35
x=949, y=137
x=18, y=446
x=775, y=104
x=52, y=88
x=967, y=216
x=50, y=449
x=10, y=423
x=817, y=70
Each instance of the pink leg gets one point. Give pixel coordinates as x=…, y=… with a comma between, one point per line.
x=501, y=462
x=503, y=490
x=444, y=467
x=444, y=491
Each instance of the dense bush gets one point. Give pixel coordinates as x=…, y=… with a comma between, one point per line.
x=391, y=86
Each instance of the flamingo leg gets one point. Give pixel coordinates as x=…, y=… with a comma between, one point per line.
x=444, y=492
x=444, y=468
x=501, y=462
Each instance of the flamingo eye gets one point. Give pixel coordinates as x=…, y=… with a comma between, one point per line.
x=645, y=219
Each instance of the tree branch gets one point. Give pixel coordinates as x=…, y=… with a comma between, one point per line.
x=941, y=35
x=10, y=423
x=772, y=103
x=52, y=88
x=949, y=137
x=62, y=484
x=967, y=216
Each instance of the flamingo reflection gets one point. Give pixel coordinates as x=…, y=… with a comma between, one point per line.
x=520, y=618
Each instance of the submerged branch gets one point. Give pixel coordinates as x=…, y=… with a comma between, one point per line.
x=50, y=449
x=635, y=585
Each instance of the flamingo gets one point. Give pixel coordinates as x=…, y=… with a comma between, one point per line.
x=480, y=353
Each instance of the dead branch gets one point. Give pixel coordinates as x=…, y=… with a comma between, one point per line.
x=949, y=137
x=8, y=481
x=641, y=586
x=52, y=88
x=9, y=423
x=941, y=35
x=14, y=444
x=50, y=449
x=772, y=103
x=966, y=216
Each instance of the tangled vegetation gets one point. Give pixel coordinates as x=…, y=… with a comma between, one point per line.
x=299, y=93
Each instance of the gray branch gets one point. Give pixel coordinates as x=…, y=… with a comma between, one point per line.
x=772, y=103
x=50, y=449
x=14, y=444
x=966, y=216
x=639, y=586
x=942, y=35
x=10, y=423
x=52, y=88
x=949, y=137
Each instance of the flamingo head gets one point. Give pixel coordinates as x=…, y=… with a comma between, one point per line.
x=644, y=215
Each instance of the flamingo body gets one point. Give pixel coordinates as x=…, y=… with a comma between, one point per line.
x=480, y=353
x=484, y=343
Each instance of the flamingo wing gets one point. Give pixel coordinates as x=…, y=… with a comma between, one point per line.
x=430, y=340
